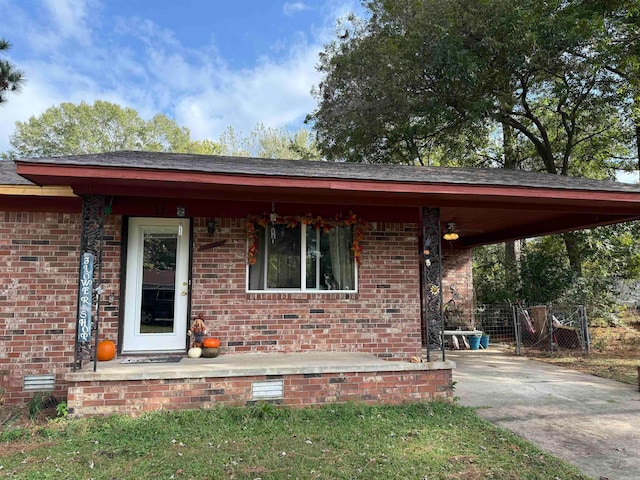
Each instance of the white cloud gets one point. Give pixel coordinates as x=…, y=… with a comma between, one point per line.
x=71, y=17
x=195, y=86
x=292, y=8
x=276, y=93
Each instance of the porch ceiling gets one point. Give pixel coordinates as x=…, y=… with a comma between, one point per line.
x=488, y=205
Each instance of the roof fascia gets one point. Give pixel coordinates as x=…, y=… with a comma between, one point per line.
x=75, y=175
x=36, y=191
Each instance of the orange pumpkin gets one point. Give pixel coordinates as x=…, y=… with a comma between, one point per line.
x=211, y=342
x=106, y=350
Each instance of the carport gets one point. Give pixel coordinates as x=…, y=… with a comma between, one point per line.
x=83, y=207
x=481, y=206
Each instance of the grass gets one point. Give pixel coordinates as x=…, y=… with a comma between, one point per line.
x=352, y=441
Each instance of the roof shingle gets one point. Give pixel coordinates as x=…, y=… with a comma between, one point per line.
x=336, y=170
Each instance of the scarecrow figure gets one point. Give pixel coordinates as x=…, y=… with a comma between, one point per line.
x=197, y=331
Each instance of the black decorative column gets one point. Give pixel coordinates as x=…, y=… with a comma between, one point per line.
x=90, y=279
x=432, y=285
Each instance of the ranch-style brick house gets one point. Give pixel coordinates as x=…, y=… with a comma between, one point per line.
x=323, y=281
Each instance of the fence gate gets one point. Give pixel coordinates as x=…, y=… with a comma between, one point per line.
x=541, y=328
x=551, y=328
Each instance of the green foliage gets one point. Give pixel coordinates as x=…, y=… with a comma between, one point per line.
x=545, y=271
x=37, y=404
x=542, y=275
x=11, y=79
x=415, y=75
x=13, y=434
x=76, y=129
x=493, y=282
x=269, y=142
x=610, y=255
x=62, y=410
x=436, y=440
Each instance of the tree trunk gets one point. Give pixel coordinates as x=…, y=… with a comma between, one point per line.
x=638, y=146
x=574, y=254
x=508, y=139
x=511, y=250
x=512, y=254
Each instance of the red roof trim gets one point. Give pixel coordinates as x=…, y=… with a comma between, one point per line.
x=76, y=175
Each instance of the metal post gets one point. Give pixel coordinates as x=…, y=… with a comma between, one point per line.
x=432, y=285
x=517, y=327
x=551, y=328
x=90, y=278
x=584, y=322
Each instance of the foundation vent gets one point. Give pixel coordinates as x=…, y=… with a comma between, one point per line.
x=39, y=383
x=269, y=389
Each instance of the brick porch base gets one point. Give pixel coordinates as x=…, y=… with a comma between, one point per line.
x=307, y=380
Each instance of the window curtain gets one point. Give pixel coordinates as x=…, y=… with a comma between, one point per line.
x=256, y=271
x=340, y=242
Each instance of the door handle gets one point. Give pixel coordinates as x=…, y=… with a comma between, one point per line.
x=184, y=292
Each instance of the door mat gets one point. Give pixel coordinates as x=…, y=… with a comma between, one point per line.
x=152, y=360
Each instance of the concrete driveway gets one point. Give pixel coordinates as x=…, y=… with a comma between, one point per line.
x=588, y=421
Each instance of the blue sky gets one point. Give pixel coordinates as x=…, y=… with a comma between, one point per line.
x=208, y=64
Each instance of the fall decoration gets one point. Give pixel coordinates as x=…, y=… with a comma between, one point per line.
x=211, y=342
x=106, y=351
x=291, y=221
x=210, y=352
x=194, y=352
x=197, y=330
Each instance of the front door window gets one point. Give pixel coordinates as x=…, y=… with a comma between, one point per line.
x=158, y=282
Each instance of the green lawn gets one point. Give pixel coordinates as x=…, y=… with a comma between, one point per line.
x=432, y=441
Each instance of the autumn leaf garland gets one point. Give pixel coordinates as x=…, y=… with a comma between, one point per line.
x=318, y=223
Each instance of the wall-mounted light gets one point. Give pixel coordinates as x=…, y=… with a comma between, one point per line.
x=450, y=231
x=180, y=211
x=211, y=226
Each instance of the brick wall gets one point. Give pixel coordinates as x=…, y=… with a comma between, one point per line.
x=457, y=276
x=38, y=293
x=136, y=396
x=382, y=318
x=38, y=282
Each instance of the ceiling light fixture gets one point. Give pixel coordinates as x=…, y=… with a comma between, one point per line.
x=450, y=232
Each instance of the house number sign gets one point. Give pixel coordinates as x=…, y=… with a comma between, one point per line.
x=85, y=297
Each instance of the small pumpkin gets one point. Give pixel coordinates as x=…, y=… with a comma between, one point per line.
x=195, y=352
x=210, y=352
x=106, y=350
x=211, y=342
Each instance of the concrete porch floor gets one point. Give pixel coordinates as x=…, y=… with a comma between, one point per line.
x=248, y=365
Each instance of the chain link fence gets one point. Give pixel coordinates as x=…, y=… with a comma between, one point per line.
x=537, y=328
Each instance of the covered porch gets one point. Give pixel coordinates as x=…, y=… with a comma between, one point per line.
x=133, y=385
x=295, y=344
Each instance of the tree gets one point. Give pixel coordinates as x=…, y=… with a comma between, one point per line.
x=269, y=142
x=10, y=79
x=622, y=47
x=418, y=74
x=75, y=129
x=417, y=71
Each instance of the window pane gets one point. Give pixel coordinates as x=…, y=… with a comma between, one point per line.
x=313, y=255
x=158, y=282
x=283, y=267
x=337, y=265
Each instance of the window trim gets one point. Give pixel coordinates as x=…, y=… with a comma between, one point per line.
x=303, y=271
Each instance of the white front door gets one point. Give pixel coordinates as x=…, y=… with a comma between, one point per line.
x=157, y=285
